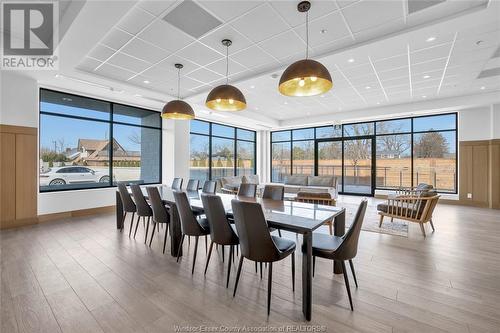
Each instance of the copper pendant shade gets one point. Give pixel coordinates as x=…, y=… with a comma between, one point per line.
x=177, y=109
x=305, y=77
x=226, y=97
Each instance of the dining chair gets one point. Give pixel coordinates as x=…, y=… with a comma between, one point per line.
x=177, y=184
x=143, y=209
x=257, y=243
x=273, y=192
x=193, y=185
x=128, y=205
x=160, y=213
x=210, y=186
x=247, y=190
x=221, y=231
x=341, y=248
x=190, y=226
x=322, y=198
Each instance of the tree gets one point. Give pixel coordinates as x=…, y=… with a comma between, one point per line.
x=396, y=144
x=431, y=144
x=135, y=138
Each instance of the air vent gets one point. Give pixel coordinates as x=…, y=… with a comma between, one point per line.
x=192, y=19
x=489, y=73
x=418, y=5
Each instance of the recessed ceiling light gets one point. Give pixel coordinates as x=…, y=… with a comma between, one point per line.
x=146, y=82
x=483, y=87
x=285, y=103
x=252, y=86
x=138, y=95
x=256, y=108
x=378, y=103
x=426, y=76
x=323, y=31
x=424, y=96
x=350, y=60
x=322, y=96
x=431, y=39
x=368, y=87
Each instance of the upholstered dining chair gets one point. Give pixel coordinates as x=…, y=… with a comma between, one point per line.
x=257, y=243
x=143, y=209
x=209, y=186
x=177, y=184
x=247, y=190
x=341, y=248
x=190, y=226
x=193, y=185
x=160, y=213
x=221, y=231
x=323, y=198
x=128, y=205
x=273, y=192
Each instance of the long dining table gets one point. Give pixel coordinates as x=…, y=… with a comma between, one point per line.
x=293, y=216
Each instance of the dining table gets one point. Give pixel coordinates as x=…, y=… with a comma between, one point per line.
x=297, y=217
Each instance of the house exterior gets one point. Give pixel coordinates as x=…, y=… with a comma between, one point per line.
x=95, y=153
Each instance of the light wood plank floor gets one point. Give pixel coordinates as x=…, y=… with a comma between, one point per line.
x=82, y=275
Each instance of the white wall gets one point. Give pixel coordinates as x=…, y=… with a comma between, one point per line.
x=19, y=100
x=480, y=123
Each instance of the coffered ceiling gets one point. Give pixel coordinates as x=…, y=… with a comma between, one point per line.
x=379, y=52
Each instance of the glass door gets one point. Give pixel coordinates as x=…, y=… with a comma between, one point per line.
x=329, y=159
x=358, y=166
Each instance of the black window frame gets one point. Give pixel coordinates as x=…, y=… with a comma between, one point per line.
x=235, y=140
x=111, y=124
x=342, y=138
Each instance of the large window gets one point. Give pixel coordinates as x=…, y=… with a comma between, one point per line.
x=89, y=143
x=218, y=151
x=398, y=152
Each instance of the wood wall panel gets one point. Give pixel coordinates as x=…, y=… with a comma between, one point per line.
x=495, y=173
x=7, y=177
x=26, y=176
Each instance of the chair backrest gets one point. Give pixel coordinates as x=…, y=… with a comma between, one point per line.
x=274, y=192
x=255, y=239
x=349, y=247
x=160, y=214
x=128, y=203
x=322, y=198
x=247, y=190
x=193, y=185
x=189, y=225
x=210, y=186
x=177, y=183
x=220, y=230
x=143, y=208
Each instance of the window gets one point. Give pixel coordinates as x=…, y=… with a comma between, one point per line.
x=83, y=141
x=219, y=151
x=407, y=152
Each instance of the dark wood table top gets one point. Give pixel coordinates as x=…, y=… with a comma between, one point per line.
x=288, y=215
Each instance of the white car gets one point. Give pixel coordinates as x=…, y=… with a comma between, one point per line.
x=72, y=175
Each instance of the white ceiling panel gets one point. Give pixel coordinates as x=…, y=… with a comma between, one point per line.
x=325, y=29
x=200, y=54
x=228, y=10
x=288, y=10
x=145, y=51
x=431, y=53
x=155, y=7
x=220, y=67
x=284, y=45
x=166, y=36
x=158, y=73
x=169, y=64
x=135, y=20
x=392, y=74
x=428, y=66
x=113, y=72
x=254, y=56
x=116, y=39
x=204, y=75
x=88, y=64
x=130, y=63
x=214, y=39
x=370, y=13
x=391, y=63
x=269, y=24
x=102, y=52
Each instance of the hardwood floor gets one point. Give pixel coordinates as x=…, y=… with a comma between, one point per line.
x=82, y=275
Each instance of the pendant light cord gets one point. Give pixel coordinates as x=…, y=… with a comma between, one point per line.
x=227, y=64
x=179, y=83
x=307, y=34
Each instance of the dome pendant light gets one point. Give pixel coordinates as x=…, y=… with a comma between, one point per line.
x=305, y=77
x=177, y=109
x=226, y=97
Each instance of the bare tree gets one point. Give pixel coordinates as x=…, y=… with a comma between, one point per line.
x=135, y=138
x=62, y=145
x=431, y=144
x=396, y=144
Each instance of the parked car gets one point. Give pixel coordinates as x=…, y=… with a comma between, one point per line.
x=72, y=175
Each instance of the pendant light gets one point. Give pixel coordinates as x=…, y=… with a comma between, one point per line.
x=305, y=77
x=226, y=97
x=177, y=109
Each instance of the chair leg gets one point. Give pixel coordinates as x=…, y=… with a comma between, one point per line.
x=330, y=228
x=269, y=284
x=153, y=233
x=131, y=224
x=260, y=270
x=231, y=249
x=137, y=225
x=432, y=225
x=392, y=219
x=147, y=229
x=180, y=247
x=238, y=274
x=314, y=264
x=353, y=273
x=206, y=242
x=256, y=267
x=422, y=228
x=346, y=280
x=208, y=256
x=195, y=250
x=123, y=221
x=223, y=250
x=165, y=239
x=381, y=220
x=279, y=232
x=293, y=271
